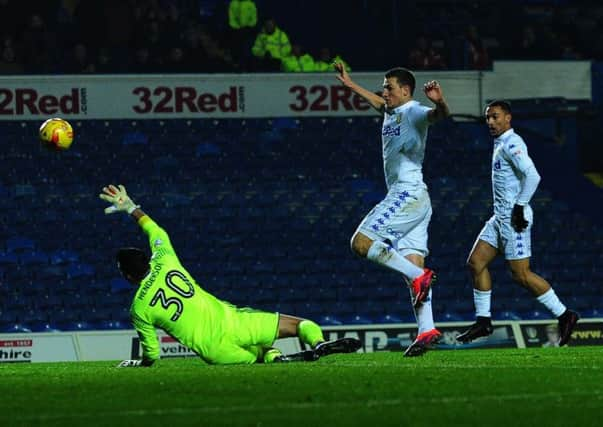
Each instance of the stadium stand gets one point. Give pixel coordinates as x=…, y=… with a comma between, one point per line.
x=260, y=212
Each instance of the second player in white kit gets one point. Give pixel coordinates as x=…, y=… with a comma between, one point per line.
x=394, y=233
x=508, y=232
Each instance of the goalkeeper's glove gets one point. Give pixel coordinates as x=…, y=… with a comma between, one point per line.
x=119, y=199
x=518, y=221
x=129, y=364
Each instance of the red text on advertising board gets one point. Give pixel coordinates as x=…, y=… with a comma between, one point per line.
x=163, y=99
x=326, y=98
x=21, y=101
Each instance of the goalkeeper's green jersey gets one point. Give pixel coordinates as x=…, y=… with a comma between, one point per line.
x=170, y=299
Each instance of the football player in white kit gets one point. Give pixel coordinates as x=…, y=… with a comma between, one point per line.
x=514, y=181
x=394, y=233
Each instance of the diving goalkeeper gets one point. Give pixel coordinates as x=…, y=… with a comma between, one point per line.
x=220, y=333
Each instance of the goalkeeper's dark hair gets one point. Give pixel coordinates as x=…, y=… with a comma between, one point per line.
x=503, y=105
x=133, y=262
x=405, y=77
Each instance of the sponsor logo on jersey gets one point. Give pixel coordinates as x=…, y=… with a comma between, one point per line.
x=497, y=165
x=391, y=131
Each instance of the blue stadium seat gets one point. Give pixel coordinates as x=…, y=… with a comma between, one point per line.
x=328, y=320
x=356, y=319
x=19, y=244
x=76, y=326
x=16, y=328
x=506, y=315
x=389, y=318
x=537, y=315
x=44, y=327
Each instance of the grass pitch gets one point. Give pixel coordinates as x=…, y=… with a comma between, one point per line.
x=531, y=387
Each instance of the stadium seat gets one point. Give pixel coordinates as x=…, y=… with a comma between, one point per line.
x=44, y=327
x=264, y=230
x=328, y=320
x=76, y=326
x=19, y=244
x=537, y=315
x=506, y=315
x=356, y=319
x=16, y=328
x=389, y=318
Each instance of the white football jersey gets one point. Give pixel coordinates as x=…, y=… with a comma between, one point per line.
x=404, y=134
x=510, y=161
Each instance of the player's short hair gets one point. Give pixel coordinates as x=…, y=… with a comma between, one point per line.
x=404, y=76
x=503, y=105
x=133, y=262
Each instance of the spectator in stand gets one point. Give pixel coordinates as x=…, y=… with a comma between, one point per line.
x=326, y=60
x=567, y=48
x=423, y=56
x=79, y=62
x=143, y=62
x=39, y=46
x=218, y=60
x=475, y=53
x=175, y=61
x=8, y=58
x=298, y=61
x=528, y=47
x=104, y=62
x=270, y=47
x=242, y=20
x=242, y=15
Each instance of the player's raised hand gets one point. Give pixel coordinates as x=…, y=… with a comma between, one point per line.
x=433, y=91
x=119, y=199
x=342, y=75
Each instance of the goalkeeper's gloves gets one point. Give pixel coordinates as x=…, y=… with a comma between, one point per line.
x=518, y=221
x=119, y=199
x=130, y=364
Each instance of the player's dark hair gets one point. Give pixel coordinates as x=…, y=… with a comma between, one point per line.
x=133, y=262
x=404, y=76
x=503, y=105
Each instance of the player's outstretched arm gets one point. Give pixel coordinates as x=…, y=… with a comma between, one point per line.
x=375, y=100
x=433, y=92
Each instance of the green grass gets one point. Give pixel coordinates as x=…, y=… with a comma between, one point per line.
x=545, y=387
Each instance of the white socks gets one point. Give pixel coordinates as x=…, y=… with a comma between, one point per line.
x=550, y=300
x=481, y=300
x=424, y=315
x=387, y=256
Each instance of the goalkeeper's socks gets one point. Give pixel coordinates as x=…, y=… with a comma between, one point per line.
x=309, y=332
x=481, y=300
x=550, y=300
x=387, y=256
x=272, y=354
x=424, y=314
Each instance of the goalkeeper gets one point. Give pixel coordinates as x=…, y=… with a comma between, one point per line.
x=170, y=299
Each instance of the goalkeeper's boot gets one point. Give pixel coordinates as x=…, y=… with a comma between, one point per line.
x=420, y=287
x=567, y=323
x=302, y=356
x=481, y=328
x=343, y=345
x=424, y=341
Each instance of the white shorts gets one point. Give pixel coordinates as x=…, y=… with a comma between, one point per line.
x=499, y=233
x=401, y=218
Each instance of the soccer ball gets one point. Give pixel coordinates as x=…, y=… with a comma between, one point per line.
x=56, y=133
